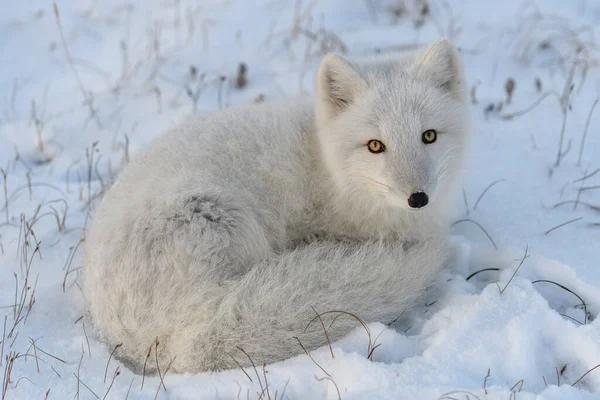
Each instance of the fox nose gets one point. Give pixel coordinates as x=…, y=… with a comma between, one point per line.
x=418, y=200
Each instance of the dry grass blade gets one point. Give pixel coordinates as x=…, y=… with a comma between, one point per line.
x=240, y=365
x=340, y=313
x=112, y=382
x=145, y=363
x=324, y=331
x=253, y=366
x=586, y=188
x=87, y=340
x=110, y=358
x=4, y=175
x=86, y=95
x=516, y=270
x=587, y=176
x=3, y=340
x=568, y=290
x=334, y=384
x=485, y=191
x=129, y=390
x=266, y=381
x=584, y=375
x=161, y=380
x=308, y=354
x=160, y=376
x=78, y=377
x=585, y=131
x=447, y=396
x=480, y=227
x=532, y=107
x=590, y=206
x=520, y=384
x=482, y=270
x=563, y=224
x=571, y=318
x=86, y=386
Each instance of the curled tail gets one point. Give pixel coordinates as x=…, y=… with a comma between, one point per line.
x=276, y=299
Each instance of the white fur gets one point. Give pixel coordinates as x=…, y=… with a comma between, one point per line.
x=225, y=231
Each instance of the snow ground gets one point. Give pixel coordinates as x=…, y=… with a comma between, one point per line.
x=134, y=61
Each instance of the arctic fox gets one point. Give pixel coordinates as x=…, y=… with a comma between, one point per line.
x=231, y=231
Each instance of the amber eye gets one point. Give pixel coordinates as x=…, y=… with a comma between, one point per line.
x=375, y=146
x=429, y=136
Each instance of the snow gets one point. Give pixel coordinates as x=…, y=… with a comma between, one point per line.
x=531, y=339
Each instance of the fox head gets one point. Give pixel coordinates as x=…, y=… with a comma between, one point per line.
x=394, y=130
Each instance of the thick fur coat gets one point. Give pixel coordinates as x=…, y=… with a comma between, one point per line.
x=229, y=230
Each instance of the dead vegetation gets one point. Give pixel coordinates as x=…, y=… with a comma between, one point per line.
x=542, y=40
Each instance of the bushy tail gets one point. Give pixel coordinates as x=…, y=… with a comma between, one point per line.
x=276, y=299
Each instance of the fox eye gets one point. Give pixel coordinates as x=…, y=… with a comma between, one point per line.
x=375, y=146
x=429, y=136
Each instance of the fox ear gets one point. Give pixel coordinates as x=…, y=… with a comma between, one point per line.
x=441, y=63
x=338, y=84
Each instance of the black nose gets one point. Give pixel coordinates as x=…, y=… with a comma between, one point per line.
x=418, y=200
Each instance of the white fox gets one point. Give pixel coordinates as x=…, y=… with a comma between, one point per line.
x=232, y=229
